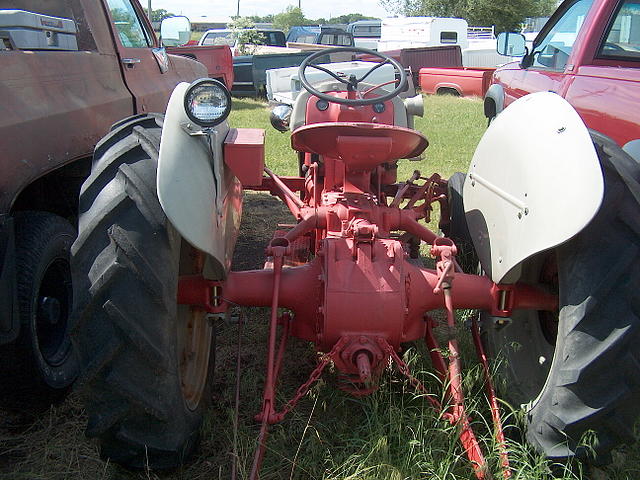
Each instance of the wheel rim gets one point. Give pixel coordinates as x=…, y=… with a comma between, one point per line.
x=527, y=345
x=52, y=306
x=194, y=336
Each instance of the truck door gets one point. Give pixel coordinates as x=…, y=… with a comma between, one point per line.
x=548, y=63
x=146, y=68
x=605, y=88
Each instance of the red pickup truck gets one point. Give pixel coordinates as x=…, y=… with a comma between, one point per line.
x=589, y=53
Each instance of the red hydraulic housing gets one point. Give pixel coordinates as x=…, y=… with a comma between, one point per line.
x=360, y=295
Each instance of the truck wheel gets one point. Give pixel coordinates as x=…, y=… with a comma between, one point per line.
x=579, y=376
x=458, y=230
x=42, y=355
x=144, y=359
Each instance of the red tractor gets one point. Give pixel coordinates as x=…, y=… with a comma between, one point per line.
x=160, y=215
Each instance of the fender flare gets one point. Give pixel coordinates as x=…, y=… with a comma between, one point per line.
x=494, y=101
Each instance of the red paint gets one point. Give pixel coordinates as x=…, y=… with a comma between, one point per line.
x=360, y=146
x=344, y=113
x=217, y=59
x=604, y=91
x=464, y=81
x=244, y=154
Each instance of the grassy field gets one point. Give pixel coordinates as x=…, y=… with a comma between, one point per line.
x=391, y=435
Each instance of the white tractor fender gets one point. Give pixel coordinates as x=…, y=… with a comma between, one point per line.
x=196, y=191
x=534, y=182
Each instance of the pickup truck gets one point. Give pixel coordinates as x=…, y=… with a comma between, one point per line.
x=250, y=71
x=227, y=36
x=589, y=53
x=250, y=76
x=70, y=71
x=463, y=82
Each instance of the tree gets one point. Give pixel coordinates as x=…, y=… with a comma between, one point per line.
x=259, y=19
x=349, y=18
x=507, y=15
x=246, y=34
x=159, y=14
x=291, y=17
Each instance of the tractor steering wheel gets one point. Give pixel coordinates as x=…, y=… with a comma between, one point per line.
x=352, y=82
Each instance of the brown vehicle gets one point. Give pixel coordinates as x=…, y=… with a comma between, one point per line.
x=69, y=71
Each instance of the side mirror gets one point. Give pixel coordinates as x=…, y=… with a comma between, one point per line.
x=175, y=31
x=280, y=117
x=511, y=44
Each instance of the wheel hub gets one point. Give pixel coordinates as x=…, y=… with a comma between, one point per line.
x=49, y=310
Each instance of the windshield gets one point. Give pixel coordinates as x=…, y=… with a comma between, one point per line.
x=554, y=49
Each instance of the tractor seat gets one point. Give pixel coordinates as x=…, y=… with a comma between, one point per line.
x=361, y=146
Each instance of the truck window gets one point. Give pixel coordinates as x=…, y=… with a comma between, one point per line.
x=623, y=35
x=553, y=51
x=306, y=39
x=219, y=38
x=275, y=39
x=335, y=39
x=448, y=37
x=130, y=30
x=366, y=31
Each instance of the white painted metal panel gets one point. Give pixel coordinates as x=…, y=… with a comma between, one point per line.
x=534, y=182
x=191, y=181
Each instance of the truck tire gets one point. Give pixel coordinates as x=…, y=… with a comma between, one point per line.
x=144, y=359
x=42, y=359
x=583, y=402
x=458, y=230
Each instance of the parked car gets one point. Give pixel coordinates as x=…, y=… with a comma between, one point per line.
x=225, y=36
x=70, y=71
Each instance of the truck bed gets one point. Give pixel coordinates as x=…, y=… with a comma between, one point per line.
x=463, y=81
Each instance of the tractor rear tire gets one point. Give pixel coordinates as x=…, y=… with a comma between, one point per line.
x=458, y=230
x=583, y=402
x=144, y=359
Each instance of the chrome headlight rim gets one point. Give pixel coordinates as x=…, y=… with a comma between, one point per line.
x=198, y=84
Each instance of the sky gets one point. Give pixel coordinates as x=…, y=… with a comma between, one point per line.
x=225, y=8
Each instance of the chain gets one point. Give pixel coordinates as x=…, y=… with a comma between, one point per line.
x=403, y=368
x=315, y=375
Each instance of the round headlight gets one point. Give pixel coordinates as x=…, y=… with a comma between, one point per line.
x=207, y=102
